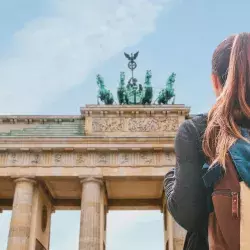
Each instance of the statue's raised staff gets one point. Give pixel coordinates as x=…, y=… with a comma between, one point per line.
x=104, y=94
x=168, y=92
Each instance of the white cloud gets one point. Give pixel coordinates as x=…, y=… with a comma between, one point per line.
x=53, y=53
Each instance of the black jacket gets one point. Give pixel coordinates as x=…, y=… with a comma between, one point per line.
x=184, y=189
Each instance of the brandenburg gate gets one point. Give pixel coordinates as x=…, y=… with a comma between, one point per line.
x=109, y=157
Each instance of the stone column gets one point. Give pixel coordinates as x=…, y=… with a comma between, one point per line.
x=19, y=234
x=90, y=225
x=179, y=236
x=105, y=227
x=170, y=231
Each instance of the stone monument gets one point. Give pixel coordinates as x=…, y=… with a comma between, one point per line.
x=109, y=157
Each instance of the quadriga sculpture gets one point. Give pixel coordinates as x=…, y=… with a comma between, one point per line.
x=104, y=94
x=168, y=92
x=121, y=90
x=147, y=89
x=131, y=93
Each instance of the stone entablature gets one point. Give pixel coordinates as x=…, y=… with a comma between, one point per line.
x=87, y=159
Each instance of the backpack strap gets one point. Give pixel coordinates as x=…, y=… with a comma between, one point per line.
x=240, y=155
x=212, y=175
x=210, y=178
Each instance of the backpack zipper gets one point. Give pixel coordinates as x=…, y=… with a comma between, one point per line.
x=235, y=200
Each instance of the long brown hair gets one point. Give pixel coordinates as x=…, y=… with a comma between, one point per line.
x=231, y=63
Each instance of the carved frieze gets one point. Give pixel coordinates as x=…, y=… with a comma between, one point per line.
x=124, y=159
x=87, y=159
x=153, y=124
x=80, y=158
x=147, y=158
x=147, y=124
x=35, y=158
x=102, y=158
x=135, y=124
x=57, y=157
x=108, y=124
x=170, y=124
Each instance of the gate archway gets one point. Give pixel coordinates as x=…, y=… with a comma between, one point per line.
x=109, y=157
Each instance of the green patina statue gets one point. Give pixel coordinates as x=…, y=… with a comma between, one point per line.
x=104, y=94
x=121, y=90
x=147, y=89
x=167, y=93
x=132, y=93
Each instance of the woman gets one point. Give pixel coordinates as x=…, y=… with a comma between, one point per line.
x=206, y=138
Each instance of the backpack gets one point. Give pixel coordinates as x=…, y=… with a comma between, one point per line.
x=229, y=199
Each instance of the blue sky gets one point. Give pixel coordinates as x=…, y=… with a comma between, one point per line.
x=51, y=50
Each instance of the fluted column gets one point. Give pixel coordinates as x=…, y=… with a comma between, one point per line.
x=19, y=234
x=90, y=225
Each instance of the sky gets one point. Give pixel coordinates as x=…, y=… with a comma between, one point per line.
x=51, y=51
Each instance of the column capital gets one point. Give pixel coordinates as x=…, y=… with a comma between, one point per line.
x=31, y=180
x=97, y=179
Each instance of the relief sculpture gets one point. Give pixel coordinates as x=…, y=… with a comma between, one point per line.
x=35, y=158
x=123, y=158
x=108, y=125
x=58, y=157
x=102, y=158
x=143, y=125
x=153, y=124
x=88, y=159
x=170, y=124
x=147, y=158
x=80, y=158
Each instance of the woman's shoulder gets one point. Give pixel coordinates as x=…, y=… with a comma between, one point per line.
x=200, y=122
x=193, y=128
